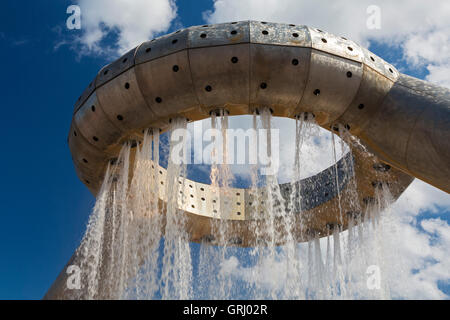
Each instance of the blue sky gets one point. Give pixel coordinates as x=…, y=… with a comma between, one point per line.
x=45, y=67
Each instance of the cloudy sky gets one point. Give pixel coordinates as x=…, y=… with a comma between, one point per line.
x=45, y=211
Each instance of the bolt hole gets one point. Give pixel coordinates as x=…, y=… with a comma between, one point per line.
x=175, y=68
x=391, y=71
x=208, y=88
x=361, y=106
x=203, y=199
x=93, y=108
x=94, y=138
x=85, y=161
x=105, y=73
x=372, y=58
x=316, y=92
x=349, y=74
x=238, y=213
x=295, y=62
x=233, y=32
x=263, y=85
x=124, y=60
x=158, y=100
x=148, y=50
x=324, y=40
x=234, y=59
x=263, y=22
x=203, y=35
x=174, y=41
x=295, y=35
x=75, y=133
x=119, y=117
x=350, y=48
x=87, y=181
x=127, y=85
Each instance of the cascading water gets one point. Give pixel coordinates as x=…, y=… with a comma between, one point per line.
x=135, y=247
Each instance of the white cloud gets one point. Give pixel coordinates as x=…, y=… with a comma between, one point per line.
x=131, y=21
x=419, y=28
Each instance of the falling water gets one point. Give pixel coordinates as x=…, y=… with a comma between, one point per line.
x=136, y=247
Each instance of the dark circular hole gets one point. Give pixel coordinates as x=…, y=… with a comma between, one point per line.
x=295, y=35
x=119, y=117
x=94, y=138
x=202, y=189
x=372, y=58
x=316, y=92
x=234, y=59
x=158, y=100
x=238, y=213
x=390, y=70
x=203, y=35
x=324, y=40
x=106, y=71
x=93, y=108
x=203, y=199
x=265, y=32
x=349, y=74
x=233, y=32
x=174, y=41
x=361, y=106
x=148, y=50
x=85, y=161
x=87, y=181
x=238, y=194
x=350, y=48
x=124, y=60
x=175, y=68
x=127, y=85
x=295, y=62
x=381, y=167
x=192, y=195
x=263, y=85
x=208, y=88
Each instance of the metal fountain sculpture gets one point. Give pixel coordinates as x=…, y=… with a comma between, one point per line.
x=291, y=69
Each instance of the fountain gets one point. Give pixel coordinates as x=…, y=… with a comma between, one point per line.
x=154, y=233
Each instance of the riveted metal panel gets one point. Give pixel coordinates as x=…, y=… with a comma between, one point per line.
x=86, y=93
x=123, y=103
x=219, y=34
x=94, y=125
x=332, y=85
x=217, y=80
x=115, y=68
x=162, y=46
x=166, y=84
x=279, y=34
x=278, y=76
x=373, y=89
x=332, y=44
x=379, y=65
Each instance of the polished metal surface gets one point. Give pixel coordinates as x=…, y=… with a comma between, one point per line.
x=241, y=66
